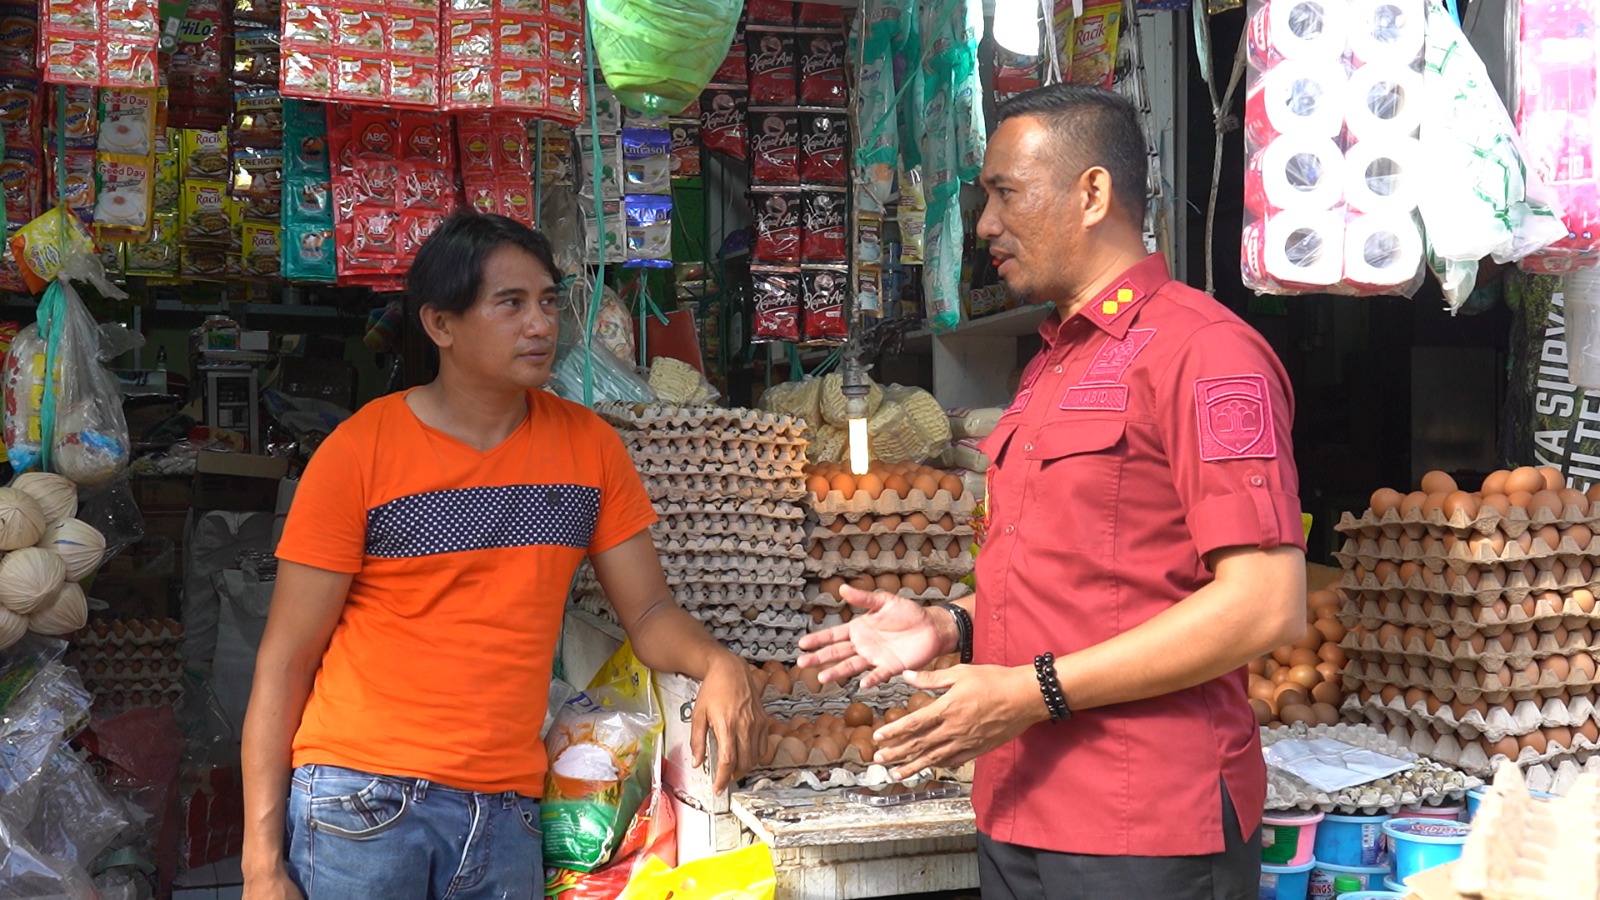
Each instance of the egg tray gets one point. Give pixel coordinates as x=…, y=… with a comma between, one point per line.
x=680, y=548
x=1468, y=686
x=769, y=617
x=1526, y=647
x=1470, y=756
x=718, y=488
x=1425, y=783
x=1514, y=587
x=920, y=543
x=723, y=507
x=815, y=596
x=1466, y=621
x=117, y=702
x=834, y=698
x=111, y=684
x=757, y=588
x=1503, y=721
x=747, y=635
x=716, y=567
x=1515, y=524
x=126, y=669
x=116, y=633
x=853, y=533
x=742, y=528
x=764, y=652
x=830, y=779
x=710, y=451
x=1527, y=847
x=663, y=417
x=863, y=562
x=740, y=595
x=852, y=508
x=656, y=471
x=1465, y=555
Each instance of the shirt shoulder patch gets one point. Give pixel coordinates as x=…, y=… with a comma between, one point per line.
x=1234, y=414
x=1114, y=357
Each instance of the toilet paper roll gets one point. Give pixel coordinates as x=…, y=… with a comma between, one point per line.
x=1386, y=31
x=1383, y=101
x=1382, y=251
x=1383, y=175
x=1295, y=173
x=1296, y=98
x=1294, y=250
x=1297, y=29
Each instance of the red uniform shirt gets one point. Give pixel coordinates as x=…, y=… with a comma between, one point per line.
x=1152, y=429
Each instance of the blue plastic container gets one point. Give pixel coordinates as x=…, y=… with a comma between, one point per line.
x=1394, y=887
x=1421, y=844
x=1285, y=882
x=1372, y=895
x=1475, y=798
x=1323, y=874
x=1352, y=840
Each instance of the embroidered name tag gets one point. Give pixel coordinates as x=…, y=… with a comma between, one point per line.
x=1235, y=418
x=1113, y=397
x=1114, y=356
x=1019, y=404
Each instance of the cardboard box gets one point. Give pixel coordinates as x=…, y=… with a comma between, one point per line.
x=702, y=834
x=242, y=482
x=156, y=493
x=678, y=771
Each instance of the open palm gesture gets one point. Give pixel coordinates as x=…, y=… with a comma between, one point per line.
x=888, y=636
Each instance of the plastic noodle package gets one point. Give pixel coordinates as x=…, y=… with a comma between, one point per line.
x=1559, y=67
x=1331, y=115
x=1477, y=194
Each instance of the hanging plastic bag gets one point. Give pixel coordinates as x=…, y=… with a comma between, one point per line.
x=744, y=874
x=600, y=752
x=1477, y=195
x=659, y=55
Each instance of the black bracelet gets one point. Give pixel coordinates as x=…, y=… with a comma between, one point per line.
x=963, y=632
x=1055, y=699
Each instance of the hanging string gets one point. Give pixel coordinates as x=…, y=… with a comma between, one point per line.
x=1052, y=53
x=50, y=317
x=599, y=214
x=1224, y=123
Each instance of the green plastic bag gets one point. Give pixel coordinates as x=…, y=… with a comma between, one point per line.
x=659, y=55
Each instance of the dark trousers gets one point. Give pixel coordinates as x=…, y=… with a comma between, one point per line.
x=1010, y=872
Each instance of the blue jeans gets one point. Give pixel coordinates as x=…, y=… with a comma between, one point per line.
x=356, y=835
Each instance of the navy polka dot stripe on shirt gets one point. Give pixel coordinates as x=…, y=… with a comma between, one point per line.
x=484, y=518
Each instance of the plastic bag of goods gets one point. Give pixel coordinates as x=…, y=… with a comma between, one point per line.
x=600, y=750
x=1332, y=110
x=1558, y=65
x=658, y=55
x=1477, y=195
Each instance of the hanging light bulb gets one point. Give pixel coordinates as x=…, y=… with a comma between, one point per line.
x=854, y=389
x=1016, y=26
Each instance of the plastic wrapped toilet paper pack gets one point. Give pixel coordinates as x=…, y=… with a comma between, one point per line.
x=1559, y=65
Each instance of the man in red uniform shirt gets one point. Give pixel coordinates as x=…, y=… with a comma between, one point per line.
x=1144, y=544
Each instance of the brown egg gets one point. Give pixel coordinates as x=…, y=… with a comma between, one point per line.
x=1327, y=692
x=1332, y=632
x=901, y=550
x=1460, y=502
x=1256, y=667
x=779, y=679
x=769, y=752
x=1261, y=689
x=919, y=700
x=918, y=521
x=827, y=722
x=817, y=551
x=927, y=484
x=1549, y=501
x=831, y=748
x=1301, y=656
x=1526, y=478
x=1494, y=483
x=1389, y=694
x=818, y=486
x=953, y=550
x=1330, y=671
x=1389, y=633
x=1263, y=711
x=1583, y=664
x=1288, y=693
x=866, y=522
x=837, y=525
x=810, y=678
x=951, y=485
x=1574, y=497
x=1535, y=741
x=1590, y=730
x=1553, y=479
x=871, y=485
x=1500, y=503
x=1385, y=500
x=790, y=752
x=1520, y=499
x=890, y=522
x=1306, y=676
x=941, y=584
x=844, y=483
x=1295, y=713
x=897, y=485
x=946, y=522
x=1437, y=482
x=1414, y=697
x=831, y=586
x=1411, y=507
x=1549, y=535
x=1557, y=666
x=893, y=714
x=863, y=748
x=1325, y=714
x=1434, y=504
x=915, y=583
x=857, y=714
x=1506, y=746
x=864, y=583
x=890, y=583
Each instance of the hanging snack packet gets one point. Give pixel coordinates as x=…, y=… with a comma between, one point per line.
x=256, y=57
x=772, y=65
x=822, y=78
x=158, y=255
x=775, y=303
x=722, y=115
x=308, y=253
x=609, y=163
x=1093, y=54
x=823, y=225
x=127, y=121
x=776, y=212
x=825, y=288
x=770, y=12
x=257, y=118
x=257, y=188
x=734, y=66
x=126, y=197
x=649, y=235
x=646, y=161
x=40, y=246
x=82, y=119
x=685, y=134
x=606, y=117
x=614, y=240
x=263, y=250
x=774, y=146
x=78, y=191
x=824, y=135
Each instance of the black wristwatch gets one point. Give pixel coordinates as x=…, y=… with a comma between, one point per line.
x=963, y=631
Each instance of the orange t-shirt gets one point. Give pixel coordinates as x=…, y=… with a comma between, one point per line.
x=440, y=665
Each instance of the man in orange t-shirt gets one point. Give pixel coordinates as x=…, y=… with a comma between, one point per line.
x=392, y=746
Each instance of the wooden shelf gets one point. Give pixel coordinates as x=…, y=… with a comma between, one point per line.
x=1011, y=323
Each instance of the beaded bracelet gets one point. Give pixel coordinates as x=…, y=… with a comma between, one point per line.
x=963, y=632
x=1055, y=699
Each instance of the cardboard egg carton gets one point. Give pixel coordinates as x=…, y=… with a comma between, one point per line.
x=1430, y=648
x=1500, y=722
x=1445, y=617
x=852, y=508
x=669, y=420
x=688, y=548
x=763, y=652
x=865, y=562
x=719, y=507
x=834, y=697
x=1515, y=524
x=129, y=633
x=1482, y=587
x=1426, y=782
x=717, y=567
x=115, y=702
x=1471, y=757
x=742, y=595
x=851, y=531
x=816, y=597
x=838, y=777
x=701, y=488
x=1463, y=555
x=741, y=528
x=919, y=543
x=655, y=469
x=1449, y=683
x=768, y=617
x=710, y=451
x=749, y=634
x=1521, y=846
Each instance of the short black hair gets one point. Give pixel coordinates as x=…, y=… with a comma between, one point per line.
x=448, y=270
x=1090, y=126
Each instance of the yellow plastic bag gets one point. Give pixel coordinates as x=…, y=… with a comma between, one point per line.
x=744, y=874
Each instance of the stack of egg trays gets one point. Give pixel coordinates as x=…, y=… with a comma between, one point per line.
x=726, y=485
x=129, y=664
x=1427, y=782
x=1474, y=639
